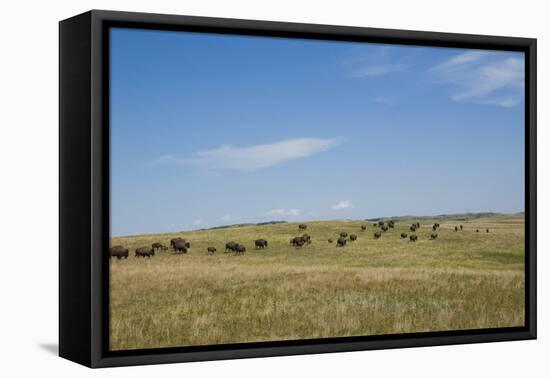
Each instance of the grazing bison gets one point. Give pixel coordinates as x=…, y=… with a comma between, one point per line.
x=144, y=252
x=302, y=226
x=344, y=234
x=377, y=235
x=391, y=224
x=306, y=238
x=341, y=242
x=173, y=242
x=434, y=227
x=211, y=250
x=456, y=229
x=363, y=228
x=381, y=223
x=180, y=246
x=412, y=228
x=433, y=236
x=230, y=246
x=157, y=246
x=260, y=243
x=487, y=230
x=385, y=228
x=353, y=237
x=403, y=235
x=374, y=224
x=413, y=238
x=477, y=230
x=240, y=249
x=330, y=240
x=297, y=241
x=417, y=224
x=118, y=251
x=461, y=227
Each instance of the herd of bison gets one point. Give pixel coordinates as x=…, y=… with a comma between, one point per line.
x=181, y=245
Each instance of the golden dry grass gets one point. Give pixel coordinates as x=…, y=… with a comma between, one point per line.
x=462, y=280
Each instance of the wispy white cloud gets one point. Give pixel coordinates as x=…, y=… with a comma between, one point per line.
x=252, y=158
x=484, y=77
x=342, y=205
x=374, y=63
x=283, y=212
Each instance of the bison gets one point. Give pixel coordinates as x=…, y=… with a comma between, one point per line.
x=461, y=227
x=180, y=246
x=385, y=228
x=157, y=246
x=456, y=228
x=433, y=236
x=306, y=238
x=240, y=249
x=144, y=252
x=403, y=235
x=173, y=242
x=377, y=235
x=118, y=251
x=341, y=241
x=412, y=228
x=302, y=226
x=380, y=223
x=211, y=250
x=230, y=246
x=297, y=241
x=434, y=227
x=260, y=243
x=487, y=230
x=330, y=240
x=477, y=230
x=353, y=237
x=391, y=224
x=344, y=234
x=363, y=228
x=413, y=238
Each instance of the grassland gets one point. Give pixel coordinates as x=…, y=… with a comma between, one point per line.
x=462, y=280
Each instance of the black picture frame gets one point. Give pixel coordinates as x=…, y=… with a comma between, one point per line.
x=84, y=187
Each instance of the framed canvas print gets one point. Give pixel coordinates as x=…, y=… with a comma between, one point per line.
x=234, y=188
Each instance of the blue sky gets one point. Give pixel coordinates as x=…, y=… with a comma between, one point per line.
x=209, y=130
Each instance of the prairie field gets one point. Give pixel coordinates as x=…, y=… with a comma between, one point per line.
x=461, y=280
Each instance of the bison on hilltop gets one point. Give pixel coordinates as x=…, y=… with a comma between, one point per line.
x=413, y=238
x=260, y=243
x=118, y=251
x=144, y=252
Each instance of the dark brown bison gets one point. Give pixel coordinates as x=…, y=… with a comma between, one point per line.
x=353, y=237
x=145, y=252
x=363, y=228
x=156, y=246
x=211, y=250
x=297, y=241
x=260, y=243
x=377, y=235
x=384, y=228
x=230, y=246
x=477, y=230
x=417, y=224
x=341, y=241
x=391, y=224
x=461, y=227
x=330, y=240
x=380, y=223
x=374, y=224
x=306, y=238
x=240, y=249
x=412, y=228
x=433, y=236
x=487, y=230
x=302, y=226
x=456, y=228
x=403, y=235
x=118, y=251
x=413, y=238
x=434, y=227
x=344, y=234
x=173, y=242
x=180, y=246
